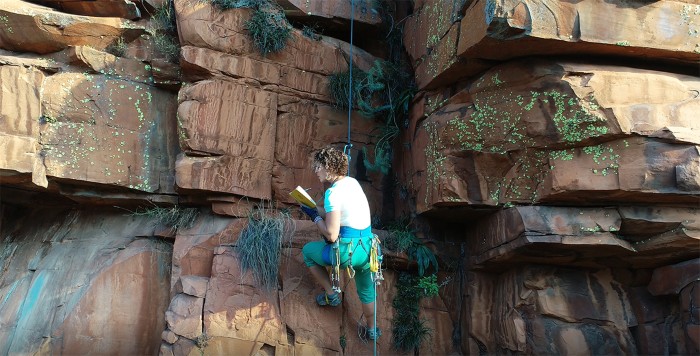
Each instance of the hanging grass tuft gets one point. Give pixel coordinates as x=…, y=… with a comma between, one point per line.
x=237, y=4
x=268, y=26
x=260, y=243
x=269, y=30
x=174, y=217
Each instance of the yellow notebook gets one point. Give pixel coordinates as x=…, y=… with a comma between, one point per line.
x=300, y=195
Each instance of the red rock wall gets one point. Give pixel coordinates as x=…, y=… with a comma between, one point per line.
x=551, y=159
x=79, y=282
x=560, y=140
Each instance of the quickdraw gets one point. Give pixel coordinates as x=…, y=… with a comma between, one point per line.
x=335, y=270
x=375, y=262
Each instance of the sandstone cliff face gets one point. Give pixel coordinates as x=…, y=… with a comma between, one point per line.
x=551, y=160
x=574, y=170
x=81, y=282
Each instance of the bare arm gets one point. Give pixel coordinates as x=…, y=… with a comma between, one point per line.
x=330, y=225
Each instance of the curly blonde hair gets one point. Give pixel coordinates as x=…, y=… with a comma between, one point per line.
x=331, y=159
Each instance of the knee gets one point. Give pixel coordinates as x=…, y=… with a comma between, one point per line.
x=365, y=287
x=307, y=252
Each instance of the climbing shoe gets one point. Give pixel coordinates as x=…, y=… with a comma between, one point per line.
x=324, y=299
x=373, y=333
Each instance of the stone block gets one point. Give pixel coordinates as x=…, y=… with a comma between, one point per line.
x=125, y=137
x=554, y=133
x=184, y=316
x=237, y=132
x=34, y=28
x=93, y=301
x=169, y=337
x=229, y=36
x=672, y=279
x=111, y=8
x=194, y=285
x=504, y=29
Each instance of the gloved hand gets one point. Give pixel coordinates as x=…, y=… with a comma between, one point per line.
x=311, y=212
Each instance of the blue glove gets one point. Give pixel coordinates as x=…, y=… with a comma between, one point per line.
x=311, y=212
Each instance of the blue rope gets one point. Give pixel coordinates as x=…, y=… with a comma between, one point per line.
x=348, y=146
x=375, y=318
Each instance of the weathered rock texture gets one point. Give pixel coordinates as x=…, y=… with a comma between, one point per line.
x=33, y=28
x=450, y=40
x=248, y=122
x=77, y=282
x=560, y=163
x=537, y=131
x=551, y=160
x=94, y=118
x=214, y=299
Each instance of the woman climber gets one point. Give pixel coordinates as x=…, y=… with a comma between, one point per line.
x=344, y=221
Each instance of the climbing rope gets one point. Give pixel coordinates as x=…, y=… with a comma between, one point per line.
x=348, y=145
x=377, y=276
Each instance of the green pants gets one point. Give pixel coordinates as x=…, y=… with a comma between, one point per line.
x=319, y=253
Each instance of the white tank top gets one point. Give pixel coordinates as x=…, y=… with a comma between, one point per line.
x=347, y=196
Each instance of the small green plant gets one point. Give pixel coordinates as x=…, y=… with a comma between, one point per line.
x=408, y=329
x=269, y=30
x=311, y=32
x=163, y=31
x=384, y=93
x=343, y=342
x=44, y=119
x=202, y=341
x=167, y=46
x=260, y=242
x=164, y=18
x=403, y=239
x=118, y=47
x=237, y=4
x=429, y=286
x=175, y=216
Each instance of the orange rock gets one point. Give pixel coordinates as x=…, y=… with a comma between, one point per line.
x=184, y=316
x=91, y=301
x=506, y=29
x=237, y=128
x=672, y=279
x=430, y=37
x=363, y=13
x=498, y=141
x=99, y=8
x=34, y=28
x=124, y=137
x=202, y=25
x=550, y=303
x=19, y=112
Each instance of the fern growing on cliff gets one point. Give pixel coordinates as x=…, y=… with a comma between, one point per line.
x=403, y=239
x=408, y=329
x=383, y=93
